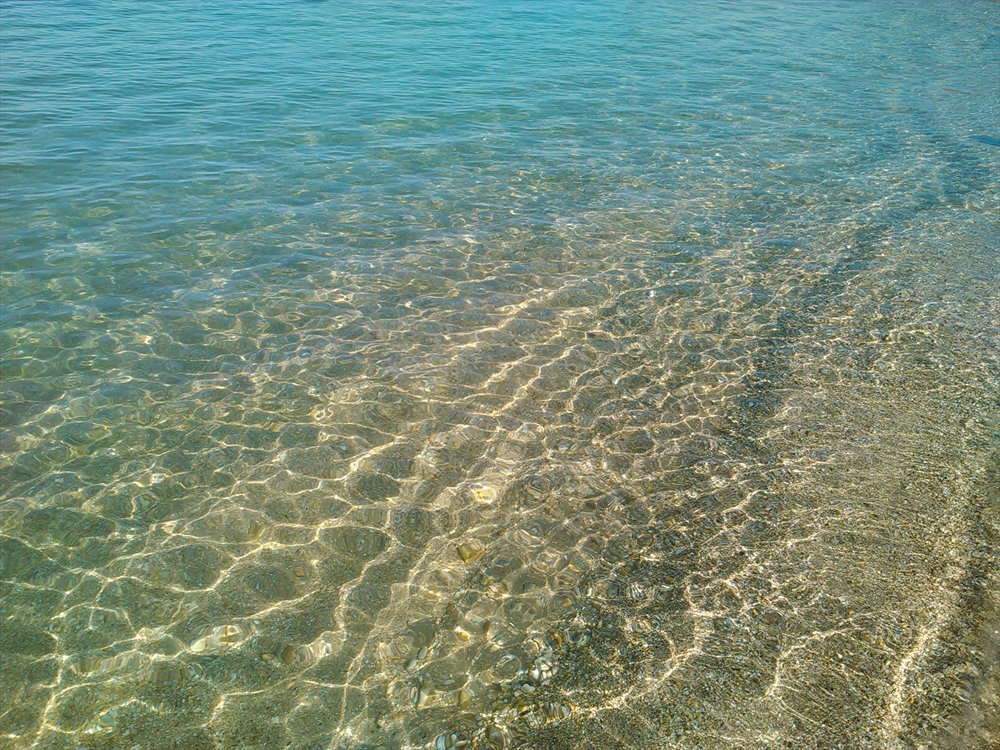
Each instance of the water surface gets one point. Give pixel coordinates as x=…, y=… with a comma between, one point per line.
x=499, y=375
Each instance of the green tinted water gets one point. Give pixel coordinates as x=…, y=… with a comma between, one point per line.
x=469, y=375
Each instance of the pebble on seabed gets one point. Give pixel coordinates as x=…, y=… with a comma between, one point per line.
x=105, y=723
x=470, y=551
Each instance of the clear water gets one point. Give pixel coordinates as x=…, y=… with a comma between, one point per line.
x=499, y=375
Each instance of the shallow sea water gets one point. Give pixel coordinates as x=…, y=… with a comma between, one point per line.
x=499, y=375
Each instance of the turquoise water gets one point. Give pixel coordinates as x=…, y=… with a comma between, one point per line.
x=545, y=375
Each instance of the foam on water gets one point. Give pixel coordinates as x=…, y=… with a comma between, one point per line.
x=476, y=375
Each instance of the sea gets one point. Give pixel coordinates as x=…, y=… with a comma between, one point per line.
x=499, y=375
